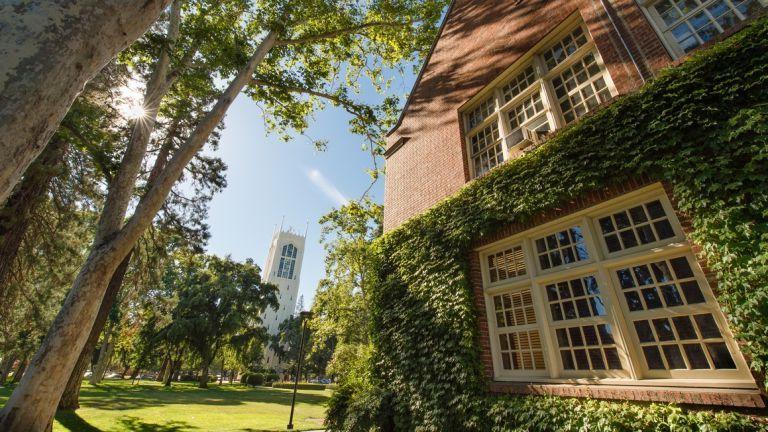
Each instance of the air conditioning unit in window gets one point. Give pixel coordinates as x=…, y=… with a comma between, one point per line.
x=530, y=137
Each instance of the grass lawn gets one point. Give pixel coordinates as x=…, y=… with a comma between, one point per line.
x=115, y=405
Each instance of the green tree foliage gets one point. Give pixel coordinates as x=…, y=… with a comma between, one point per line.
x=700, y=127
x=341, y=321
x=219, y=299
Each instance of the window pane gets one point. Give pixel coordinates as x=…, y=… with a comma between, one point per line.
x=653, y=357
x=673, y=356
x=696, y=357
x=707, y=326
x=518, y=84
x=564, y=247
x=720, y=355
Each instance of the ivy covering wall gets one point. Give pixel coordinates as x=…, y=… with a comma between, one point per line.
x=701, y=126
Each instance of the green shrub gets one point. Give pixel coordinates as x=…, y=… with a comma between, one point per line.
x=252, y=379
x=272, y=377
x=361, y=409
x=556, y=414
x=701, y=127
x=256, y=379
x=301, y=386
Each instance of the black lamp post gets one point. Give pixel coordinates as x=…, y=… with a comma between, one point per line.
x=304, y=315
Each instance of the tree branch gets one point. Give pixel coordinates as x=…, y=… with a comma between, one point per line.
x=341, y=32
x=348, y=106
x=351, y=107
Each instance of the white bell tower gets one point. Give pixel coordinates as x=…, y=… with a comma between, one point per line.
x=283, y=268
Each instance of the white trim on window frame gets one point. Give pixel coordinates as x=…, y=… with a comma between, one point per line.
x=603, y=266
x=542, y=84
x=658, y=25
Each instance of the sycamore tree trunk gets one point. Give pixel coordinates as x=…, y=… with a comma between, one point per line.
x=33, y=403
x=105, y=352
x=15, y=215
x=110, y=222
x=70, y=398
x=49, y=50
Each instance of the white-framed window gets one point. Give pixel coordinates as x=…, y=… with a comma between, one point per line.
x=686, y=24
x=560, y=81
x=564, y=304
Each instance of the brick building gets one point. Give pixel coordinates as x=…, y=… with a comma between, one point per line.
x=605, y=298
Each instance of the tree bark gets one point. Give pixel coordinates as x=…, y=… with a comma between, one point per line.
x=6, y=366
x=70, y=398
x=32, y=404
x=23, y=363
x=163, y=368
x=203, y=378
x=105, y=352
x=169, y=376
x=15, y=216
x=50, y=49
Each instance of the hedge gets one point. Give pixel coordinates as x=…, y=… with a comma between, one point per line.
x=702, y=127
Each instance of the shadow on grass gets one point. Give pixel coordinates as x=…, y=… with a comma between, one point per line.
x=134, y=424
x=122, y=397
x=72, y=421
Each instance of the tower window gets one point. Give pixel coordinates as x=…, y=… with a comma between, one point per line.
x=287, y=261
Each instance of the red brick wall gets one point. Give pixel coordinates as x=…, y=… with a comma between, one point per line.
x=480, y=39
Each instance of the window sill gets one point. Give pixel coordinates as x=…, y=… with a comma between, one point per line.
x=737, y=393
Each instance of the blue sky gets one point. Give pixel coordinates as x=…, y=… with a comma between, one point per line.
x=269, y=178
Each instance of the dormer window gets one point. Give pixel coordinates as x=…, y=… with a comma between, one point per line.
x=556, y=84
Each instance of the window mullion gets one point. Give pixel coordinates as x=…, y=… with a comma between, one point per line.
x=544, y=324
x=616, y=317
x=620, y=323
x=503, y=126
x=548, y=94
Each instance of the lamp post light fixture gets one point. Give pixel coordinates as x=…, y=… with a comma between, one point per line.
x=304, y=316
